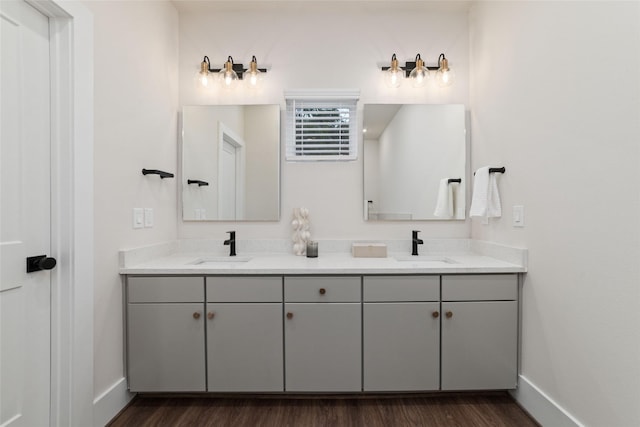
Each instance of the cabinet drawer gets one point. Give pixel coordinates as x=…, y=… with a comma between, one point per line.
x=481, y=287
x=322, y=289
x=244, y=289
x=401, y=288
x=165, y=289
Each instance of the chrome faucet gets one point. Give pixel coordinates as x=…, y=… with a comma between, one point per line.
x=231, y=241
x=415, y=242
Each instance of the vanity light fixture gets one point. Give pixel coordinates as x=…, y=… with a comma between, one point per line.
x=229, y=74
x=418, y=72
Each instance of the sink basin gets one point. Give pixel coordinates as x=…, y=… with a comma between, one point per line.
x=220, y=260
x=424, y=259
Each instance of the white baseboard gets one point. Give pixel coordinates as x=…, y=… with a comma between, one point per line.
x=542, y=407
x=108, y=404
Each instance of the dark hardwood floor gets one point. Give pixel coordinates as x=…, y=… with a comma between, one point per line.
x=460, y=410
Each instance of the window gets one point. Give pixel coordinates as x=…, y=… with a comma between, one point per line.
x=321, y=126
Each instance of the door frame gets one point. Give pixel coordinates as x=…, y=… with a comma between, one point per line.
x=226, y=134
x=71, y=52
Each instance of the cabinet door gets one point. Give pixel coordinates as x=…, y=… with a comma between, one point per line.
x=479, y=345
x=166, y=347
x=401, y=346
x=244, y=347
x=323, y=347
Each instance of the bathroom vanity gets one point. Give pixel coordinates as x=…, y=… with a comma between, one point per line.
x=289, y=324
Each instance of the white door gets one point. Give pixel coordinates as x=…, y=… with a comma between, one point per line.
x=24, y=215
x=228, y=182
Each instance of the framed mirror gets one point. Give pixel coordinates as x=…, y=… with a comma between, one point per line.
x=231, y=163
x=410, y=152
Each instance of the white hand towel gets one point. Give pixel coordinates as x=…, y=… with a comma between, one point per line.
x=494, y=207
x=444, y=204
x=485, y=201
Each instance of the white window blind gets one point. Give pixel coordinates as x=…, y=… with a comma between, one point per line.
x=322, y=129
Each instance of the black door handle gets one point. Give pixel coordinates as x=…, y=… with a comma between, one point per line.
x=40, y=262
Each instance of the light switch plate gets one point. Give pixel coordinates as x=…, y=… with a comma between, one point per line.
x=518, y=216
x=148, y=217
x=138, y=218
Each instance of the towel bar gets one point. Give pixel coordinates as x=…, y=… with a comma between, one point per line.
x=496, y=170
x=162, y=174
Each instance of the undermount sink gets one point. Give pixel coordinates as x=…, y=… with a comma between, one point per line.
x=426, y=259
x=220, y=260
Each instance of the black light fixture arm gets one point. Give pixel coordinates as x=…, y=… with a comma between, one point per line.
x=162, y=174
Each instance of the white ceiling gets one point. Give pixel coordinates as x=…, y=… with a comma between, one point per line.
x=198, y=6
x=377, y=117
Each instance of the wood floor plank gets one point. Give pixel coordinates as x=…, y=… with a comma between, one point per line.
x=449, y=410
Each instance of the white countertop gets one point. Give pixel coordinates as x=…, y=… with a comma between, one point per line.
x=260, y=263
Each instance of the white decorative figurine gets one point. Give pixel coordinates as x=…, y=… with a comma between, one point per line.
x=301, y=234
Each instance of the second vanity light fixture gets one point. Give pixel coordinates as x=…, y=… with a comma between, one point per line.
x=418, y=72
x=229, y=74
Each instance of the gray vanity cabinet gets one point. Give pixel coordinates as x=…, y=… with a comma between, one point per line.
x=323, y=344
x=325, y=333
x=479, y=332
x=401, y=333
x=165, y=333
x=244, y=334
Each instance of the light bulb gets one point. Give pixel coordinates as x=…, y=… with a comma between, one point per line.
x=394, y=75
x=228, y=76
x=420, y=74
x=253, y=76
x=445, y=75
x=204, y=78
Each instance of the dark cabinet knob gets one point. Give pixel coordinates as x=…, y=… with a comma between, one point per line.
x=39, y=263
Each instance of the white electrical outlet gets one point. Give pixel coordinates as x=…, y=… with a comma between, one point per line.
x=518, y=216
x=148, y=217
x=138, y=218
